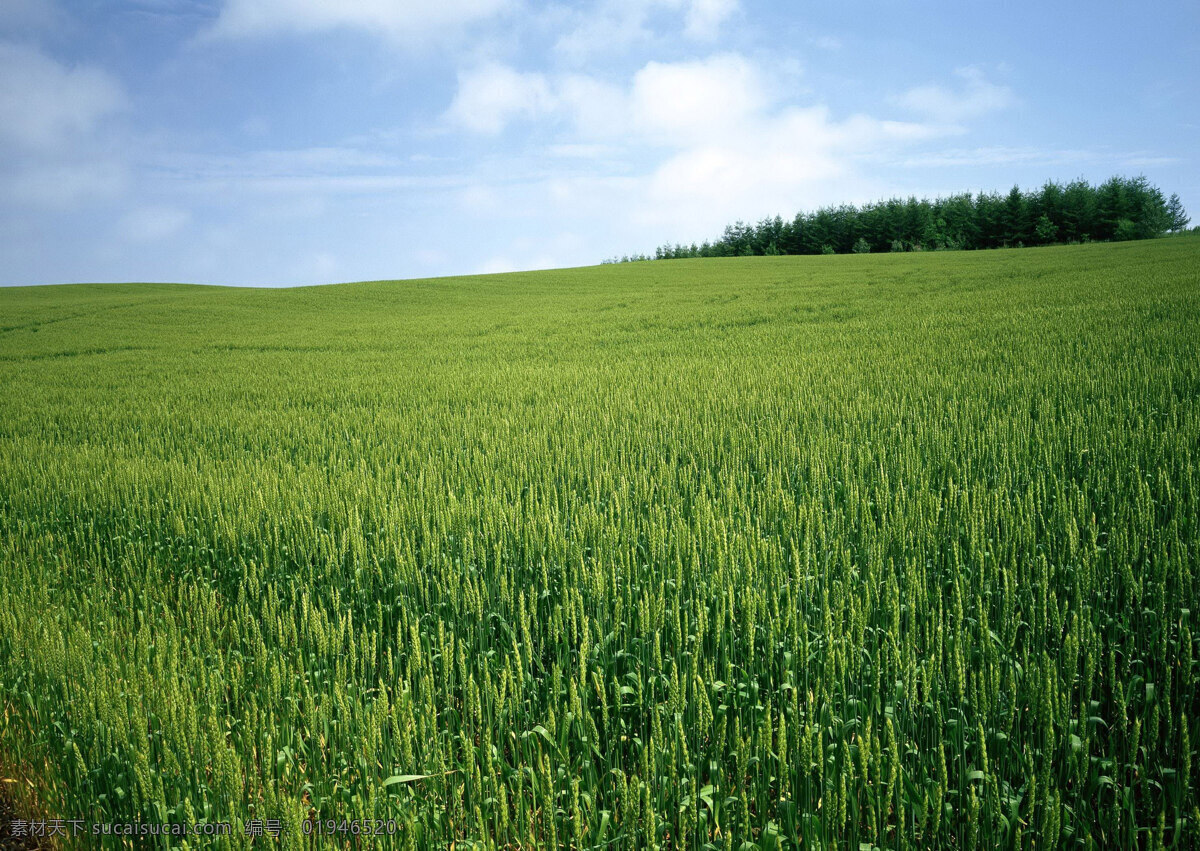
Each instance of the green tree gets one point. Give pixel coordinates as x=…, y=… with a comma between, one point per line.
x=1016, y=218
x=1119, y=208
x=1125, y=229
x=1078, y=212
x=1177, y=218
x=989, y=215
x=1113, y=206
x=1149, y=208
x=960, y=228
x=1045, y=230
x=861, y=246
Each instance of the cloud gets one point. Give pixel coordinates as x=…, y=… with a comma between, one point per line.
x=597, y=109
x=493, y=95
x=430, y=257
x=320, y=266
x=704, y=18
x=326, y=171
x=682, y=146
x=580, y=150
x=724, y=99
x=664, y=103
x=45, y=104
x=18, y=16
x=609, y=27
x=993, y=155
x=65, y=185
x=399, y=19
x=496, y=266
x=479, y=200
x=152, y=224
x=975, y=97
x=1150, y=161
x=503, y=263
x=684, y=102
x=52, y=150
x=777, y=161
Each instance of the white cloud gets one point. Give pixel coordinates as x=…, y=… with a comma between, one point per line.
x=399, y=19
x=430, y=257
x=530, y=262
x=44, y=104
x=580, y=150
x=29, y=15
x=65, y=185
x=975, y=97
x=993, y=155
x=321, y=267
x=1146, y=161
x=687, y=102
x=326, y=171
x=491, y=96
x=598, y=109
x=705, y=18
x=479, y=200
x=609, y=27
x=152, y=224
x=496, y=266
x=712, y=139
x=52, y=151
x=777, y=162
x=667, y=103
x=608, y=30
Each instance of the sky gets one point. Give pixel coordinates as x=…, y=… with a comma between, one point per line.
x=291, y=142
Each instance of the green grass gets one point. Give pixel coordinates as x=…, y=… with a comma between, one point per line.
x=886, y=550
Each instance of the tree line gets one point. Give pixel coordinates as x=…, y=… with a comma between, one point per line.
x=1121, y=208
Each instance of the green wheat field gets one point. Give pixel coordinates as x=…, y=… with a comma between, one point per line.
x=882, y=551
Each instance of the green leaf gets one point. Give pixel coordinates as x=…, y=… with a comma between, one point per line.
x=396, y=779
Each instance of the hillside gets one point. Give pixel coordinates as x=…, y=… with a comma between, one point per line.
x=876, y=548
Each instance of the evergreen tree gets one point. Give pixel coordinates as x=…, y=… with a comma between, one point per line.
x=1047, y=203
x=1120, y=208
x=1078, y=212
x=1112, y=208
x=1016, y=218
x=1045, y=230
x=990, y=216
x=1177, y=219
x=961, y=230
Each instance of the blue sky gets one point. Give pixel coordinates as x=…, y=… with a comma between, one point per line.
x=280, y=142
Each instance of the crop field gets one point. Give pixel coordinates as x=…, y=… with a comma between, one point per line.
x=825, y=552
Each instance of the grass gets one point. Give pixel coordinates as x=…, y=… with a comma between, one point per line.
x=896, y=550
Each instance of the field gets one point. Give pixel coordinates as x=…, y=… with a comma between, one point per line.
x=858, y=551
